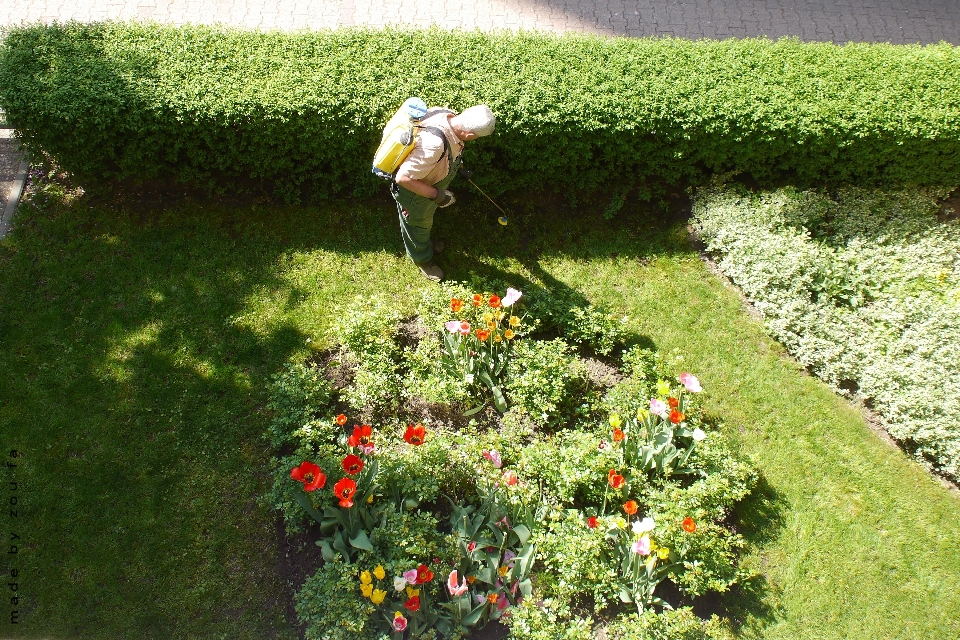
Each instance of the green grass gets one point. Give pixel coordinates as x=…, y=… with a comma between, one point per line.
x=135, y=346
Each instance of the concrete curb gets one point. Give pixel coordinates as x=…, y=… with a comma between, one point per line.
x=13, y=189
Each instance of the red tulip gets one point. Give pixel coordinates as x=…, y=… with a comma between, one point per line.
x=341, y=419
x=689, y=525
x=413, y=603
x=352, y=464
x=362, y=436
x=592, y=522
x=424, y=574
x=615, y=479
x=415, y=435
x=630, y=506
x=310, y=475
x=676, y=417
x=345, y=490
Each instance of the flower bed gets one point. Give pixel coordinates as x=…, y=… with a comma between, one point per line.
x=469, y=470
x=863, y=288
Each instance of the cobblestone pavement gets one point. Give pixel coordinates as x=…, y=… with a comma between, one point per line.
x=896, y=21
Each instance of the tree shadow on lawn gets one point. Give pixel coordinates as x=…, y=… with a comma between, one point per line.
x=760, y=519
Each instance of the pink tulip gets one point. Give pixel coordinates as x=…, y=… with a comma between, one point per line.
x=512, y=296
x=399, y=622
x=658, y=407
x=690, y=382
x=641, y=546
x=410, y=576
x=494, y=457
x=453, y=587
x=465, y=328
x=453, y=326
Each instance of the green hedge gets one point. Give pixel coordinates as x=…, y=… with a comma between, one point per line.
x=302, y=112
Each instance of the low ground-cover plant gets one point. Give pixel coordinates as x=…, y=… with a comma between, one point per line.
x=439, y=528
x=863, y=287
x=195, y=104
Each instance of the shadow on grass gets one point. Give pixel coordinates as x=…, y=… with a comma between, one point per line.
x=760, y=519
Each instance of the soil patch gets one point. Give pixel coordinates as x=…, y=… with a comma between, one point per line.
x=410, y=332
x=298, y=558
x=601, y=374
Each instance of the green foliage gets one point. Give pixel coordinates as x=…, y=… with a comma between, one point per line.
x=681, y=624
x=330, y=606
x=298, y=395
x=863, y=288
x=598, y=330
x=367, y=328
x=546, y=381
x=300, y=114
x=537, y=619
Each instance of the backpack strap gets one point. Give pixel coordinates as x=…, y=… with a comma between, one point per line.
x=437, y=131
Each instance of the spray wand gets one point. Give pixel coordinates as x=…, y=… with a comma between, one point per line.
x=467, y=175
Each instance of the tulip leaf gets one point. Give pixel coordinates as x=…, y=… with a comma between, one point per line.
x=526, y=588
x=474, y=410
x=485, y=575
x=625, y=595
x=304, y=501
x=498, y=400
x=326, y=550
x=522, y=533
x=474, y=616
x=464, y=603
x=361, y=541
x=339, y=545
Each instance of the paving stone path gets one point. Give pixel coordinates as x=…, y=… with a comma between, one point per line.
x=896, y=21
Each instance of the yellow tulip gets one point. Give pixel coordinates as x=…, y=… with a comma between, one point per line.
x=365, y=578
x=379, y=572
x=366, y=590
x=663, y=553
x=514, y=321
x=615, y=420
x=377, y=596
x=508, y=334
x=411, y=592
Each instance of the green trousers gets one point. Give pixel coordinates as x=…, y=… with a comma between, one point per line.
x=416, y=217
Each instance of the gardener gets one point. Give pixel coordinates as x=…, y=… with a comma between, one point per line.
x=422, y=179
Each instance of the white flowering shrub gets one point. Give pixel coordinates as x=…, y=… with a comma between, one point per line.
x=861, y=286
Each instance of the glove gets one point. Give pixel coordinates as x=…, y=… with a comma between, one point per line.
x=464, y=173
x=444, y=198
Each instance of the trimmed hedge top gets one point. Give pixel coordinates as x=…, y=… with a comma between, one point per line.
x=302, y=112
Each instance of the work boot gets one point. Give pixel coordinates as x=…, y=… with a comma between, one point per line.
x=438, y=246
x=430, y=270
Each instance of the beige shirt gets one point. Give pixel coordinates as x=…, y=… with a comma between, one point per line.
x=425, y=163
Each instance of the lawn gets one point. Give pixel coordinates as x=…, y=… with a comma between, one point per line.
x=136, y=342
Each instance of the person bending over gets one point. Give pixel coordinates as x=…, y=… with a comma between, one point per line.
x=422, y=179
